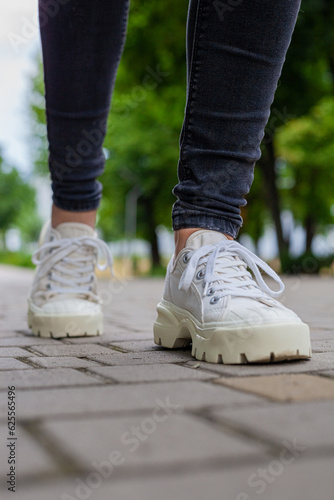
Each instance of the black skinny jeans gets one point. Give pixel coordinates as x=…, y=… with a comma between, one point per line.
x=235, y=53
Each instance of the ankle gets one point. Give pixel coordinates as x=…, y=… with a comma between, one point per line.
x=181, y=236
x=60, y=216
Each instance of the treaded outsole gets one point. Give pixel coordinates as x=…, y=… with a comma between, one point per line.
x=271, y=358
x=59, y=327
x=51, y=335
x=266, y=343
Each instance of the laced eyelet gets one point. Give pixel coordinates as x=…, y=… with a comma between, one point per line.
x=200, y=274
x=211, y=291
x=186, y=258
x=215, y=299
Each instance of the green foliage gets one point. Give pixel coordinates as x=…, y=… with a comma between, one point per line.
x=146, y=118
x=306, y=173
x=307, y=263
x=307, y=74
x=255, y=214
x=39, y=144
x=147, y=112
x=307, y=78
x=17, y=203
x=21, y=259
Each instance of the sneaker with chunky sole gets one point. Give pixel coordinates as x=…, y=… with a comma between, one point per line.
x=216, y=299
x=64, y=300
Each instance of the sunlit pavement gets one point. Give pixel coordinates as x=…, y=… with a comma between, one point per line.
x=115, y=417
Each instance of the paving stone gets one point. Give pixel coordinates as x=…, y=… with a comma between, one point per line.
x=318, y=321
x=151, y=439
x=12, y=364
x=312, y=298
x=12, y=274
x=116, y=398
x=143, y=296
x=46, y=378
x=29, y=341
x=150, y=373
x=115, y=333
x=62, y=362
x=323, y=345
x=318, y=362
x=30, y=456
x=112, y=335
x=285, y=387
x=13, y=325
x=138, y=345
x=327, y=373
x=322, y=334
x=5, y=333
x=143, y=358
x=81, y=350
x=310, y=424
x=14, y=351
x=299, y=480
x=97, y=339
x=195, y=453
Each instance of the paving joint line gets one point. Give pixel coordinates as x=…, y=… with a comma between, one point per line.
x=148, y=471
x=57, y=387
x=106, y=380
x=28, y=362
x=242, y=431
x=32, y=350
x=64, y=460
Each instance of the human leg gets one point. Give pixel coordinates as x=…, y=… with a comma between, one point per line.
x=234, y=60
x=82, y=44
x=211, y=299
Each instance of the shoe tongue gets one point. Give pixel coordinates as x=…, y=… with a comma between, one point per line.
x=72, y=230
x=204, y=237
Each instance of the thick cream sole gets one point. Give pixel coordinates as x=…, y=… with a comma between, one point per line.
x=175, y=328
x=65, y=326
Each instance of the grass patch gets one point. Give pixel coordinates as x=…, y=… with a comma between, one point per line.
x=308, y=264
x=21, y=259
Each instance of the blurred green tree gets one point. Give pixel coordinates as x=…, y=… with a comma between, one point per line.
x=147, y=111
x=17, y=204
x=145, y=121
x=306, y=168
x=307, y=76
x=142, y=139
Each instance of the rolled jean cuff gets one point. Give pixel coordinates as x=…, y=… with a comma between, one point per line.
x=212, y=222
x=75, y=202
x=76, y=207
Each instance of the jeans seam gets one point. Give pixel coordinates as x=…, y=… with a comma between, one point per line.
x=192, y=79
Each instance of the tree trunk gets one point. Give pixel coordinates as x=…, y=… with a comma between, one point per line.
x=310, y=232
x=151, y=232
x=154, y=249
x=328, y=10
x=267, y=165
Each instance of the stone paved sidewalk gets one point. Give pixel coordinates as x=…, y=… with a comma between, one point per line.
x=116, y=417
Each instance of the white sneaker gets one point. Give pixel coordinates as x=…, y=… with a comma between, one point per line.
x=228, y=314
x=64, y=301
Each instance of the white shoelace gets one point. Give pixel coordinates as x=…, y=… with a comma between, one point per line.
x=224, y=271
x=71, y=275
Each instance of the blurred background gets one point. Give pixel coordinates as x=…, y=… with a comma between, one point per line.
x=289, y=219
